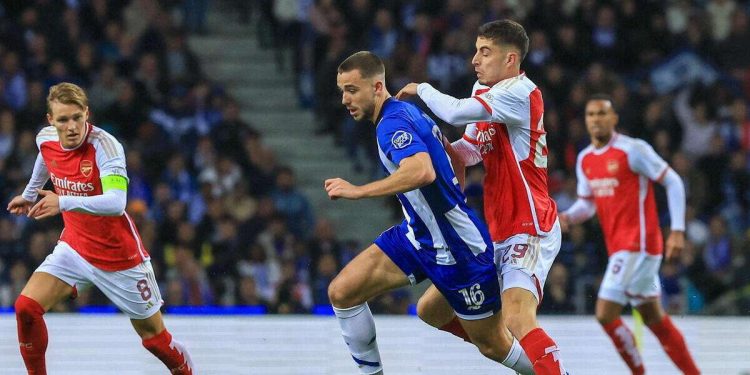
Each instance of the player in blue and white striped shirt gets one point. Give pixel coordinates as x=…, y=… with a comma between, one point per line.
x=440, y=239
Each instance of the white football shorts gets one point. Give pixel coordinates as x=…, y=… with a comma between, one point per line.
x=523, y=260
x=134, y=291
x=631, y=277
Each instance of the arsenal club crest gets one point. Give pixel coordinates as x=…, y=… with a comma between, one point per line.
x=87, y=167
x=613, y=166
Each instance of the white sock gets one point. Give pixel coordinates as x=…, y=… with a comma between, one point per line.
x=517, y=360
x=358, y=329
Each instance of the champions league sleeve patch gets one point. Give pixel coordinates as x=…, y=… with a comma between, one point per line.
x=401, y=139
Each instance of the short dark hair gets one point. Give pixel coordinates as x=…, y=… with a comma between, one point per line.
x=506, y=32
x=368, y=64
x=602, y=96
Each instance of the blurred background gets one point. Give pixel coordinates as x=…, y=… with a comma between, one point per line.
x=231, y=121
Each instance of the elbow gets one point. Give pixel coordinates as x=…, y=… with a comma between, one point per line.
x=427, y=176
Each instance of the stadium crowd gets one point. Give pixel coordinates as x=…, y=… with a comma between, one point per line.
x=223, y=220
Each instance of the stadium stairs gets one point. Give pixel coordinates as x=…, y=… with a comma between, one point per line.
x=230, y=55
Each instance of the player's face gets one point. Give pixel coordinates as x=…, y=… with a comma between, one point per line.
x=600, y=119
x=70, y=122
x=492, y=62
x=357, y=94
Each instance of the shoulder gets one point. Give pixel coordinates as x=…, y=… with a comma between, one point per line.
x=105, y=142
x=47, y=134
x=517, y=88
x=630, y=145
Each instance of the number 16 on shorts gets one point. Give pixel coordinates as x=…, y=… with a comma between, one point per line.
x=474, y=297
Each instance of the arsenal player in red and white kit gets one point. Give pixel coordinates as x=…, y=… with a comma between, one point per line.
x=99, y=245
x=506, y=133
x=615, y=175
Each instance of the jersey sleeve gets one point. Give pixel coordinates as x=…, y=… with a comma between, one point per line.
x=504, y=106
x=470, y=133
x=583, y=188
x=398, y=139
x=110, y=156
x=645, y=161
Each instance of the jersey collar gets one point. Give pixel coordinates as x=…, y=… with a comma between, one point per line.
x=382, y=109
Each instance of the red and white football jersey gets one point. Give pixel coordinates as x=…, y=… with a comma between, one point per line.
x=111, y=243
x=618, y=177
x=514, y=153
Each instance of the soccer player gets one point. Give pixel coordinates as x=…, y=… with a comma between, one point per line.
x=440, y=239
x=99, y=245
x=615, y=175
x=506, y=132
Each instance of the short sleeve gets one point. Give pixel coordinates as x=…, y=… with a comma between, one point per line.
x=504, y=106
x=110, y=156
x=398, y=139
x=645, y=161
x=583, y=189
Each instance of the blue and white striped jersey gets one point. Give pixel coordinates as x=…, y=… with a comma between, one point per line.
x=436, y=215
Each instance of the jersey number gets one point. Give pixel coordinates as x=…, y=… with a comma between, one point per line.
x=144, y=289
x=474, y=297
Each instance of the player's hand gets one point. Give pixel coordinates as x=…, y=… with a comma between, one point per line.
x=408, y=91
x=48, y=206
x=19, y=206
x=340, y=188
x=675, y=244
x=564, y=223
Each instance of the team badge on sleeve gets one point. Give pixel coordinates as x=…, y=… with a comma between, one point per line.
x=401, y=139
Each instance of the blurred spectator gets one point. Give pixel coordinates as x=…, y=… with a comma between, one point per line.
x=293, y=204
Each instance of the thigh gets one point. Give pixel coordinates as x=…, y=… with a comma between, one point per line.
x=55, y=279
x=607, y=311
x=523, y=261
x=617, y=277
x=369, y=274
x=134, y=291
x=434, y=309
x=46, y=289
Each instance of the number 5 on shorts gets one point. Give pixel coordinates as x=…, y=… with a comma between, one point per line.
x=474, y=297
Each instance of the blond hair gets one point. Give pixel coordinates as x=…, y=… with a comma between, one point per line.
x=67, y=93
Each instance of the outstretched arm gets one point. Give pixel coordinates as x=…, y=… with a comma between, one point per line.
x=413, y=172
x=457, y=112
x=582, y=210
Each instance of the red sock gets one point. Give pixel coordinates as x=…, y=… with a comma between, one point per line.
x=455, y=327
x=626, y=346
x=171, y=352
x=32, y=334
x=542, y=352
x=674, y=344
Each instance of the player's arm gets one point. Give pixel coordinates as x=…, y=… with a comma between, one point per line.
x=413, y=172
x=645, y=161
x=21, y=204
x=584, y=207
x=457, y=112
x=110, y=203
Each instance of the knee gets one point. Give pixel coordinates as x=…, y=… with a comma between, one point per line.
x=27, y=309
x=424, y=310
x=604, y=319
x=491, y=348
x=340, y=296
x=519, y=322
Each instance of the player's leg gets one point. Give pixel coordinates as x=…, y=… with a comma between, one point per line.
x=369, y=274
x=41, y=293
x=435, y=310
x=608, y=314
x=135, y=292
x=658, y=321
x=158, y=341
x=495, y=342
x=523, y=262
x=51, y=283
x=620, y=273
